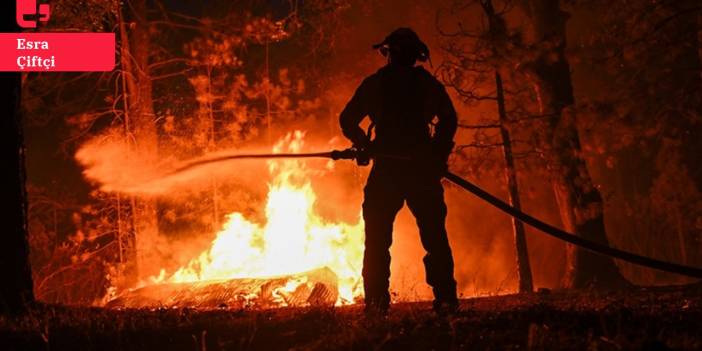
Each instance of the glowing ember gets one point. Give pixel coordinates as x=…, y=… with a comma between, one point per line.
x=293, y=240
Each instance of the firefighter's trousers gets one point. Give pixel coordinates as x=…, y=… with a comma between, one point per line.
x=389, y=186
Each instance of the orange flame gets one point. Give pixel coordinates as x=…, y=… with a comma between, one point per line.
x=294, y=239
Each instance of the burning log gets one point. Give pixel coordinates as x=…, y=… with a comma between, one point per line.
x=313, y=288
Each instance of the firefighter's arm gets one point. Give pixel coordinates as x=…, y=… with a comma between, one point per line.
x=352, y=115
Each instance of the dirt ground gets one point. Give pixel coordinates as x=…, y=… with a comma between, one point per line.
x=641, y=319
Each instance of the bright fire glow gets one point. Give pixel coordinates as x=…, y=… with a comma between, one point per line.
x=294, y=238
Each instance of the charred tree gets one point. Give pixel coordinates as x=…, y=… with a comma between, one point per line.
x=497, y=36
x=687, y=124
x=579, y=200
x=16, y=288
x=477, y=76
x=685, y=37
x=126, y=235
x=520, y=244
x=140, y=125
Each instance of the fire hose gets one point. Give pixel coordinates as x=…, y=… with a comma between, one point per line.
x=598, y=248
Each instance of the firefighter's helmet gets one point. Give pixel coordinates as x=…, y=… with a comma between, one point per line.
x=406, y=42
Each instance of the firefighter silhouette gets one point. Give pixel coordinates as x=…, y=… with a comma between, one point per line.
x=412, y=117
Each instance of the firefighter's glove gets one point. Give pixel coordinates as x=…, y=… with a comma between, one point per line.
x=363, y=155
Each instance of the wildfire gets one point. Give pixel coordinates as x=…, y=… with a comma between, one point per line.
x=294, y=239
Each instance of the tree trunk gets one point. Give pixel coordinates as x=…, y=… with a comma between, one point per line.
x=688, y=28
x=691, y=27
x=15, y=274
x=520, y=244
x=126, y=235
x=579, y=201
x=497, y=32
x=142, y=128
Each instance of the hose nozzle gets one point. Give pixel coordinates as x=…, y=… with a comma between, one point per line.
x=361, y=156
x=347, y=154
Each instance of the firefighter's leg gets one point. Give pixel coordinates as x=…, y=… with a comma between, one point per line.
x=426, y=201
x=383, y=199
